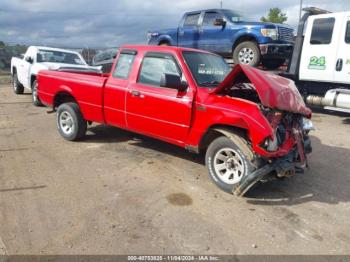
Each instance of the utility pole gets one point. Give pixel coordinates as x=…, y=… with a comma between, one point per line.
x=88, y=54
x=221, y=4
x=300, y=9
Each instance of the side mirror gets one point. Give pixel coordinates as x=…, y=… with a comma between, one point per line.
x=29, y=60
x=219, y=22
x=173, y=81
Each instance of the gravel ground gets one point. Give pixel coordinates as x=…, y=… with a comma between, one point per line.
x=118, y=193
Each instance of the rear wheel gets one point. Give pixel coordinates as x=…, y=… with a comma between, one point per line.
x=18, y=88
x=35, y=98
x=229, y=160
x=273, y=63
x=70, y=122
x=164, y=44
x=247, y=53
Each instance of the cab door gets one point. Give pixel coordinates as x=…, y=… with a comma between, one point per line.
x=214, y=38
x=188, y=32
x=319, y=54
x=342, y=68
x=116, y=88
x=159, y=111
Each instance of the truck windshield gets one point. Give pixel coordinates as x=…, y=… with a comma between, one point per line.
x=233, y=16
x=59, y=57
x=208, y=70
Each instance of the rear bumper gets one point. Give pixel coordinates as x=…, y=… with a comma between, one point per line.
x=281, y=51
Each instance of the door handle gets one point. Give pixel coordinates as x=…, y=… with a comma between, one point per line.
x=136, y=93
x=339, y=65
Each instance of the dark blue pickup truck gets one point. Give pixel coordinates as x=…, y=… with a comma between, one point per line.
x=225, y=32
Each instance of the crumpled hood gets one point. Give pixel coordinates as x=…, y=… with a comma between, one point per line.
x=274, y=91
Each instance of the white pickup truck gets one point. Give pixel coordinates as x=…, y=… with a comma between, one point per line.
x=24, y=70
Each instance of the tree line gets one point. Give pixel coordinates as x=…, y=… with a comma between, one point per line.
x=7, y=51
x=275, y=15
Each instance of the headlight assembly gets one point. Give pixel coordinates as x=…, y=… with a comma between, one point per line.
x=307, y=124
x=272, y=33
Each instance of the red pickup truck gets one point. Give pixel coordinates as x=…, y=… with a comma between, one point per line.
x=251, y=125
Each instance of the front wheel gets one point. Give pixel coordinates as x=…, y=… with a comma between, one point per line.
x=228, y=161
x=247, y=53
x=18, y=88
x=70, y=122
x=35, y=98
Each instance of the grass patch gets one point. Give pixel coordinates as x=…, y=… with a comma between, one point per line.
x=5, y=79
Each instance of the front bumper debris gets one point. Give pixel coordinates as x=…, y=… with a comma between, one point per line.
x=294, y=162
x=282, y=166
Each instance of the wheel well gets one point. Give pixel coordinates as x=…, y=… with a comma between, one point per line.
x=164, y=42
x=242, y=39
x=219, y=130
x=32, y=79
x=61, y=98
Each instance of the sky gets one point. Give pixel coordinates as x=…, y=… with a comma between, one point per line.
x=110, y=23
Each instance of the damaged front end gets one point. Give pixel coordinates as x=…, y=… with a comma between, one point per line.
x=282, y=152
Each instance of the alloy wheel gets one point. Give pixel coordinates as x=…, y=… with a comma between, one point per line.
x=228, y=166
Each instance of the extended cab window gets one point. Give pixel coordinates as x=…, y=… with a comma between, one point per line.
x=191, y=20
x=347, y=34
x=154, y=66
x=322, y=31
x=124, y=64
x=210, y=17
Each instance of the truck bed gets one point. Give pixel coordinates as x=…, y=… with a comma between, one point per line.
x=85, y=87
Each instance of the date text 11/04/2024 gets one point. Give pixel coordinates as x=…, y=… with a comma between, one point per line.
x=174, y=258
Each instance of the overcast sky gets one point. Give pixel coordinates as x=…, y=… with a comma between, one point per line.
x=108, y=23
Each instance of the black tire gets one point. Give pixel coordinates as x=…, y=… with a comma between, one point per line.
x=272, y=64
x=164, y=44
x=35, y=99
x=247, y=48
x=70, y=112
x=242, y=153
x=18, y=88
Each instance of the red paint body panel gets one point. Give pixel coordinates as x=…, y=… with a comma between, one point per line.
x=169, y=115
x=224, y=110
x=114, y=102
x=274, y=91
x=86, y=89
